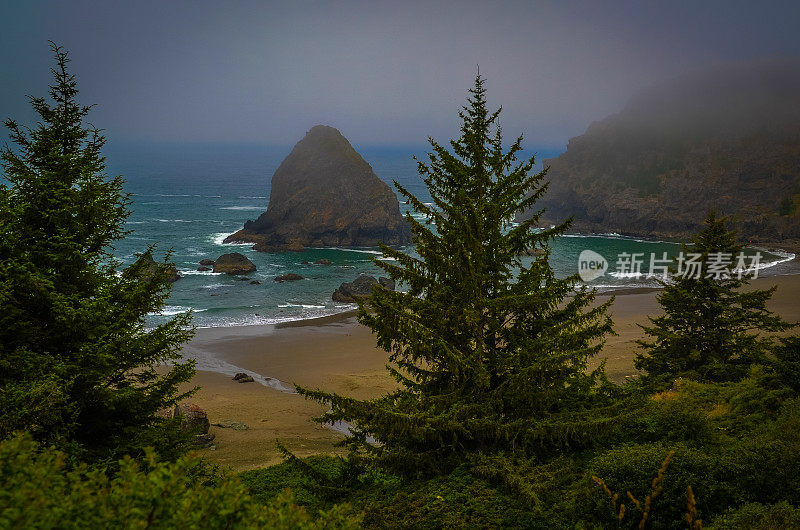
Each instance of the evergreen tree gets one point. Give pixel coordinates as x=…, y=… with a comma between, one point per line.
x=711, y=329
x=787, y=362
x=77, y=365
x=490, y=350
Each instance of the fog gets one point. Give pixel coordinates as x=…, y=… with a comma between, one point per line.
x=384, y=73
x=725, y=100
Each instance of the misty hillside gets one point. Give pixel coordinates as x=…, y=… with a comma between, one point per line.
x=727, y=138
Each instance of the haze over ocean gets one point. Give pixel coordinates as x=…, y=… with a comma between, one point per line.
x=188, y=197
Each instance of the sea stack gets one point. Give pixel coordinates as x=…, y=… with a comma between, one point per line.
x=324, y=194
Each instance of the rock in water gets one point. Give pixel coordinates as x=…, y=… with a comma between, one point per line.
x=360, y=288
x=291, y=277
x=146, y=267
x=324, y=194
x=234, y=263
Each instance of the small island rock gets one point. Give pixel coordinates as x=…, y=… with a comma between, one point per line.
x=234, y=263
x=149, y=267
x=360, y=288
x=291, y=277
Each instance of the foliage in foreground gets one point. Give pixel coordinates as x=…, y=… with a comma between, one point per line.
x=489, y=347
x=38, y=490
x=736, y=445
x=77, y=365
x=491, y=361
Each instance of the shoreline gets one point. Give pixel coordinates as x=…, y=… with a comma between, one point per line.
x=791, y=246
x=785, y=261
x=337, y=354
x=607, y=292
x=211, y=335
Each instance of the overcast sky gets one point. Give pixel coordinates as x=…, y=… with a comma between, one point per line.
x=381, y=72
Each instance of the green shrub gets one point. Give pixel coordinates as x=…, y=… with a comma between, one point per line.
x=751, y=470
x=671, y=419
x=37, y=490
x=735, y=443
x=457, y=500
x=460, y=499
x=264, y=485
x=754, y=516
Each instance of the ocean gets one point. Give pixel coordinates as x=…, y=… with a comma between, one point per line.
x=188, y=198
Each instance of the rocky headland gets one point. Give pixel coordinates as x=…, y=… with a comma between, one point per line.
x=727, y=139
x=324, y=194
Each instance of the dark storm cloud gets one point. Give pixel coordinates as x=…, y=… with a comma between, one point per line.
x=382, y=72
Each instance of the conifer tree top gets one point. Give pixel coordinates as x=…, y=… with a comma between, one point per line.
x=77, y=364
x=489, y=347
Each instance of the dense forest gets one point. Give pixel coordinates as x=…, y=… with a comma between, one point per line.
x=497, y=422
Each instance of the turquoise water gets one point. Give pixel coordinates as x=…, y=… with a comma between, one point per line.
x=188, y=198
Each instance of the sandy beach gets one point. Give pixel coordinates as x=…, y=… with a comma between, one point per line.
x=338, y=354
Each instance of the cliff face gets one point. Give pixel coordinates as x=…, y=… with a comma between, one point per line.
x=324, y=194
x=727, y=139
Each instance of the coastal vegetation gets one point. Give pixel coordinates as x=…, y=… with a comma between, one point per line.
x=490, y=355
x=497, y=421
x=712, y=329
x=78, y=368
